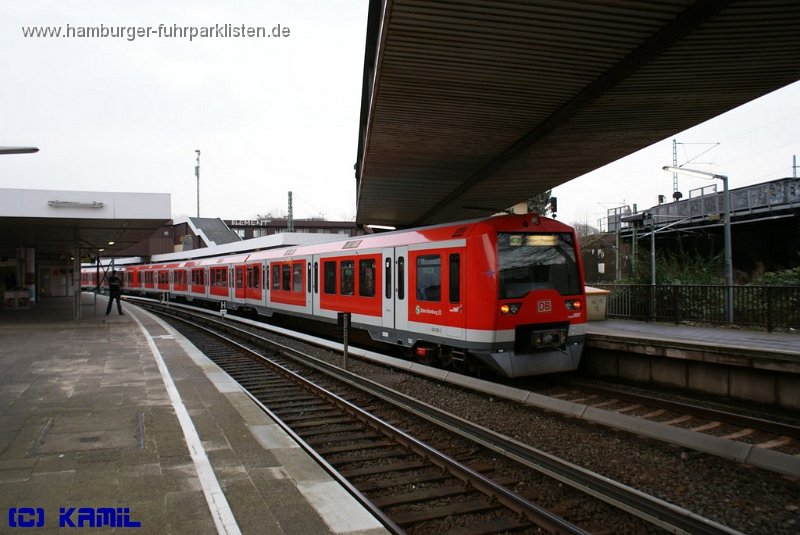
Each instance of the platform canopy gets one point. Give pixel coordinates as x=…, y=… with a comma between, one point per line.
x=480, y=105
x=53, y=222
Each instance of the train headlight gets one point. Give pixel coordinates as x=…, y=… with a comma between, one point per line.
x=510, y=308
x=573, y=304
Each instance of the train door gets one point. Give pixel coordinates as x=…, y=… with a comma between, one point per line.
x=395, y=294
x=454, y=292
x=239, y=278
x=388, y=288
x=308, y=287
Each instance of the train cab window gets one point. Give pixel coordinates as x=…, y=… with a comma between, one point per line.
x=347, y=277
x=429, y=278
x=366, y=278
x=329, y=277
x=297, y=277
x=401, y=278
x=533, y=261
x=287, y=277
x=276, y=276
x=455, y=278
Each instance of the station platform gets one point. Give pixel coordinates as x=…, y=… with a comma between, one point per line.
x=766, y=342
x=741, y=364
x=120, y=416
x=779, y=351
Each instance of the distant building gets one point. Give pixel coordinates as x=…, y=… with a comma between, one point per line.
x=183, y=234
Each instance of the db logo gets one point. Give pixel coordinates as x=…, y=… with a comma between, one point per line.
x=544, y=306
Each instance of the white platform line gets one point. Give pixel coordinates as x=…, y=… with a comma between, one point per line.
x=217, y=503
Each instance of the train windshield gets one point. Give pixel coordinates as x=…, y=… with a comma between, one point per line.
x=529, y=261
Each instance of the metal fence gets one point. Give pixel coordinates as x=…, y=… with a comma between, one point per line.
x=761, y=306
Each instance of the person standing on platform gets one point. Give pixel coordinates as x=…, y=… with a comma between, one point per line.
x=114, y=292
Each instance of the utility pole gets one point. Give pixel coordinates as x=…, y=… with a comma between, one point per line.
x=290, y=219
x=674, y=175
x=197, y=174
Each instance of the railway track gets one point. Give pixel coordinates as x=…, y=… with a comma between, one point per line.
x=408, y=484
x=404, y=477
x=758, y=431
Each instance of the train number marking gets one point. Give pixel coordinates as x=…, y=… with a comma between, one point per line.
x=544, y=306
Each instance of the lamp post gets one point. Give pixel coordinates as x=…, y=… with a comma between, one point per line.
x=727, y=231
x=197, y=174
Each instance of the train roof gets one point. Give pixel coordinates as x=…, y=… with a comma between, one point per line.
x=439, y=232
x=456, y=230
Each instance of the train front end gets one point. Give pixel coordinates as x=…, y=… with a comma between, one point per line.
x=538, y=298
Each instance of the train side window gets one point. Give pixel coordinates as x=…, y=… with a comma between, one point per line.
x=287, y=277
x=429, y=278
x=256, y=276
x=401, y=278
x=387, y=275
x=316, y=277
x=308, y=277
x=329, y=277
x=249, y=276
x=239, y=280
x=276, y=276
x=455, y=278
x=297, y=277
x=366, y=278
x=347, y=277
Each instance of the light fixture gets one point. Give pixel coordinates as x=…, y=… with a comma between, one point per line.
x=18, y=150
x=111, y=242
x=74, y=204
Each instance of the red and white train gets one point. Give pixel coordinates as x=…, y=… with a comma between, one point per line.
x=505, y=291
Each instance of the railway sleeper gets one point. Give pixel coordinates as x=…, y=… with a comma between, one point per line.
x=366, y=471
x=324, y=423
x=408, y=518
x=364, y=446
x=421, y=495
x=307, y=433
x=430, y=493
x=386, y=454
x=352, y=437
x=495, y=525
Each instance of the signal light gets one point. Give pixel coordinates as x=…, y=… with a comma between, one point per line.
x=423, y=351
x=510, y=308
x=573, y=304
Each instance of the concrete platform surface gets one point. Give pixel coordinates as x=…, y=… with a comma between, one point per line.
x=779, y=343
x=118, y=420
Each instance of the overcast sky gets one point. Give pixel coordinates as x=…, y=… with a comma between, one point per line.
x=269, y=114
